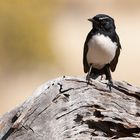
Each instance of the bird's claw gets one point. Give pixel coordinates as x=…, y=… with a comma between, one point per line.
x=88, y=79
x=110, y=84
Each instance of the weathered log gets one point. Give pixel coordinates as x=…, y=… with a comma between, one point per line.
x=69, y=108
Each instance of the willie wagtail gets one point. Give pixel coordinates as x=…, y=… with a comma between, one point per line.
x=101, y=48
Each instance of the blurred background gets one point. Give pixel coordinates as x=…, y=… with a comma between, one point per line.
x=43, y=39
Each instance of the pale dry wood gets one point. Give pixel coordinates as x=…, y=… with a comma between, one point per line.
x=69, y=108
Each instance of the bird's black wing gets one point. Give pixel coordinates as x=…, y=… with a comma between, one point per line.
x=114, y=62
x=85, y=63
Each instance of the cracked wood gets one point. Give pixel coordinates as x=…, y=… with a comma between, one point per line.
x=69, y=108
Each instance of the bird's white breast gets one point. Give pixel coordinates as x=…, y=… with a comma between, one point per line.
x=101, y=51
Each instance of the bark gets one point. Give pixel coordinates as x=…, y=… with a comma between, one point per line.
x=69, y=108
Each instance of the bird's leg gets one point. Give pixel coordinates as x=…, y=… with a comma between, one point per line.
x=109, y=77
x=88, y=75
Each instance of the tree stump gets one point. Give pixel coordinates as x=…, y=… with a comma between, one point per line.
x=69, y=108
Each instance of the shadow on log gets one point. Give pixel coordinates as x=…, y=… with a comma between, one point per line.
x=68, y=108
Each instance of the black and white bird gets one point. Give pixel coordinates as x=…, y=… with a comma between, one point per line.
x=101, y=48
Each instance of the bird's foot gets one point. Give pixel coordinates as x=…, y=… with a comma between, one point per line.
x=88, y=79
x=110, y=84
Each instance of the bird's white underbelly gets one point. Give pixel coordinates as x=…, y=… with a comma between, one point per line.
x=101, y=51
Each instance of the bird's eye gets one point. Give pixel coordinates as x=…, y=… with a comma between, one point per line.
x=104, y=22
x=106, y=25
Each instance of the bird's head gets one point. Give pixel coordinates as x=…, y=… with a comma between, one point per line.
x=102, y=22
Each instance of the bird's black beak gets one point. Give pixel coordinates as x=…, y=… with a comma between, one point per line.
x=91, y=19
x=94, y=21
